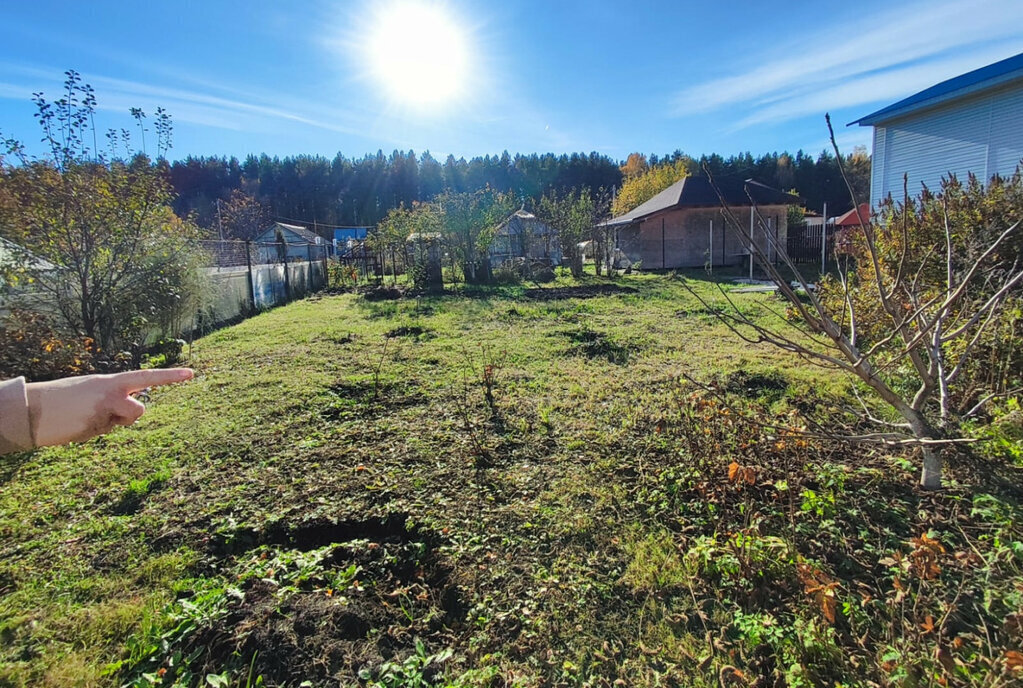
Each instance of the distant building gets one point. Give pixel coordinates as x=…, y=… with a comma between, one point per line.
x=684, y=225
x=347, y=240
x=971, y=123
x=523, y=235
x=13, y=254
x=22, y=293
x=853, y=218
x=298, y=243
x=846, y=225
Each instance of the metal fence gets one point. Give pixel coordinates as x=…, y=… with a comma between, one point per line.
x=247, y=276
x=357, y=254
x=809, y=244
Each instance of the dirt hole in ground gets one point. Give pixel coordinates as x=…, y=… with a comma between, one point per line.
x=366, y=398
x=381, y=293
x=411, y=331
x=598, y=345
x=375, y=587
x=587, y=291
x=771, y=386
x=339, y=339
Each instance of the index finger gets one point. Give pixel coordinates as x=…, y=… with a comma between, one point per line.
x=136, y=380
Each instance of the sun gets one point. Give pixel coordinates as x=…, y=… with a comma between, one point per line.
x=417, y=53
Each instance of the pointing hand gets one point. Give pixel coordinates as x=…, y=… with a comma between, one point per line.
x=78, y=408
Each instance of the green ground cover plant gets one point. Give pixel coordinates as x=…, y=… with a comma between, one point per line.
x=508, y=487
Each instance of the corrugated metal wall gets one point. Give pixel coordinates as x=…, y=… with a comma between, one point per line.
x=983, y=135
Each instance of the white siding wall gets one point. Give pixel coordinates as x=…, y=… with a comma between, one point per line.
x=983, y=135
x=877, y=165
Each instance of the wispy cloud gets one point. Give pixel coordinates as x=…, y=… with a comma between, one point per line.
x=885, y=56
x=203, y=107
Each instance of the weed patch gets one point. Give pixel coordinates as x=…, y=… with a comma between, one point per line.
x=134, y=495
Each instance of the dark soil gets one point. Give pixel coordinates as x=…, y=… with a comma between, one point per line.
x=411, y=331
x=369, y=399
x=598, y=345
x=382, y=293
x=756, y=385
x=587, y=291
x=325, y=636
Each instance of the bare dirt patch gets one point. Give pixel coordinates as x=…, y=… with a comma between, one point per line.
x=586, y=291
x=368, y=398
x=396, y=589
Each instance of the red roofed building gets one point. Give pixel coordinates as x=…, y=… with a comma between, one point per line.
x=846, y=225
x=850, y=219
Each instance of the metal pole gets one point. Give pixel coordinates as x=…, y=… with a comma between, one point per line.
x=248, y=264
x=751, y=243
x=710, y=249
x=323, y=282
x=824, y=240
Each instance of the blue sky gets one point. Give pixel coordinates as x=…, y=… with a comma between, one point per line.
x=287, y=78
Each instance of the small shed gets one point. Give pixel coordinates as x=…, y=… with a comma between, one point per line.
x=294, y=241
x=523, y=235
x=684, y=225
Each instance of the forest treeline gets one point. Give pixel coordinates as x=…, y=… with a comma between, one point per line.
x=360, y=191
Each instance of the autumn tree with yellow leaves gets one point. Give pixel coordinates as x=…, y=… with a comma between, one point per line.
x=643, y=183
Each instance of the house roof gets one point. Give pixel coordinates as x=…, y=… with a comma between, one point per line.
x=522, y=215
x=697, y=192
x=304, y=233
x=311, y=237
x=851, y=219
x=16, y=253
x=991, y=76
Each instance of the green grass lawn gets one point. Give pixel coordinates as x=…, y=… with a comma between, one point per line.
x=493, y=488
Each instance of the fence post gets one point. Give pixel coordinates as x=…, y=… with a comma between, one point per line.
x=323, y=283
x=248, y=265
x=282, y=248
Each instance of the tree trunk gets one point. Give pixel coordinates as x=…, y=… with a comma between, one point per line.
x=575, y=264
x=930, y=476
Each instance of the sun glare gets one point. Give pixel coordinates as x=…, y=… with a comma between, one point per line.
x=417, y=54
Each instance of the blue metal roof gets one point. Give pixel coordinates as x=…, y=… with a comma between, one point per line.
x=981, y=79
x=346, y=233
